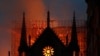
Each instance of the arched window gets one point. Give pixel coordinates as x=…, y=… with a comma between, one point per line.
x=74, y=53
x=23, y=53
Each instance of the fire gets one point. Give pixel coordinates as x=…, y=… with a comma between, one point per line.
x=32, y=41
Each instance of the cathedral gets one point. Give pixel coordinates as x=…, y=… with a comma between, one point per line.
x=48, y=43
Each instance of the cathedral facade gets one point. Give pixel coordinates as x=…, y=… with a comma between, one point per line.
x=48, y=43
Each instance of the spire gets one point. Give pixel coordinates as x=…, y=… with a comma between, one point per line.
x=73, y=45
x=23, y=30
x=48, y=19
x=66, y=40
x=74, y=31
x=23, y=39
x=8, y=53
x=29, y=40
x=73, y=16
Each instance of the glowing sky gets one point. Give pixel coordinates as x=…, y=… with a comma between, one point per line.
x=11, y=10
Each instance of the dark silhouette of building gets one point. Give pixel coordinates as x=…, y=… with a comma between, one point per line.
x=73, y=47
x=23, y=47
x=93, y=27
x=48, y=43
x=8, y=53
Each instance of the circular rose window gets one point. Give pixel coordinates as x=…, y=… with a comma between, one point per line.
x=48, y=51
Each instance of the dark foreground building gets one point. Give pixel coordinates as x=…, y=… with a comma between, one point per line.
x=48, y=43
x=93, y=27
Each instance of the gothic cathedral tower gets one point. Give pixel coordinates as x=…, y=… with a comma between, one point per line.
x=23, y=47
x=73, y=47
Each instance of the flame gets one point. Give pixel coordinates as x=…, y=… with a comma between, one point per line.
x=32, y=41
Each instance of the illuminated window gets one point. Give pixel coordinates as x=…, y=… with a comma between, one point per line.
x=74, y=53
x=48, y=51
x=23, y=54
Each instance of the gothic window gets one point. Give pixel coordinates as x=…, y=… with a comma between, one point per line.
x=74, y=53
x=23, y=54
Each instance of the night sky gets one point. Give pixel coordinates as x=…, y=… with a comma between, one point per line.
x=11, y=10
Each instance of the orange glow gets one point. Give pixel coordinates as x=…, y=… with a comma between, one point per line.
x=60, y=35
x=35, y=13
x=62, y=32
x=15, y=42
x=32, y=41
x=3, y=50
x=35, y=10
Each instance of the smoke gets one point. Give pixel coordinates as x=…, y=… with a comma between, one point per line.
x=61, y=11
x=35, y=10
x=11, y=14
